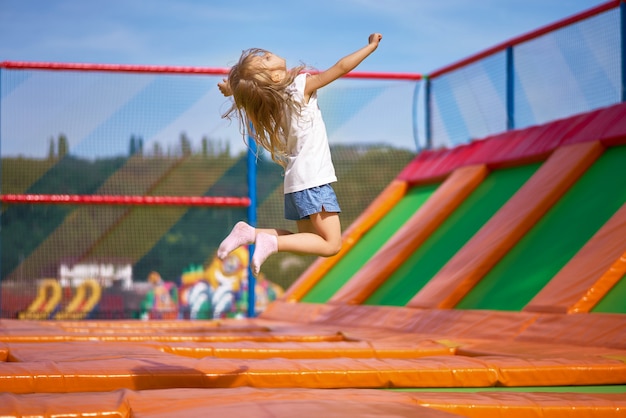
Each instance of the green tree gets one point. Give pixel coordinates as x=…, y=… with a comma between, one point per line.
x=185, y=144
x=157, y=149
x=205, y=146
x=51, y=149
x=133, y=146
x=63, y=146
x=226, y=152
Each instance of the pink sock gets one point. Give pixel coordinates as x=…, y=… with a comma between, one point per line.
x=242, y=234
x=264, y=246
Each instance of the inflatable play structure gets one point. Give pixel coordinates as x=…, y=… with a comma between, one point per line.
x=47, y=304
x=486, y=280
x=49, y=295
x=84, y=301
x=218, y=290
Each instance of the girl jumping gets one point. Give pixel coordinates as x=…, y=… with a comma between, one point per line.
x=281, y=106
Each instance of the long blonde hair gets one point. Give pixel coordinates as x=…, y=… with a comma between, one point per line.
x=262, y=103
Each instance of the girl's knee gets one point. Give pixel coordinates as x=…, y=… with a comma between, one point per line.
x=333, y=248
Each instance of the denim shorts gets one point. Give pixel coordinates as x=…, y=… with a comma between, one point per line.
x=301, y=205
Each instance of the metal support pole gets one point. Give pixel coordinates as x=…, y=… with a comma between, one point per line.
x=510, y=89
x=622, y=11
x=415, y=117
x=252, y=220
x=428, y=113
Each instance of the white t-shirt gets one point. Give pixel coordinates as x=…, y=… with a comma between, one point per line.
x=309, y=161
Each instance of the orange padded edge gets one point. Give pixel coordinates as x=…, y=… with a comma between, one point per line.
x=301, y=312
x=309, y=403
x=450, y=324
x=162, y=371
x=601, y=287
x=312, y=350
x=399, y=347
x=246, y=402
x=109, y=404
x=448, y=196
x=103, y=375
x=374, y=213
x=591, y=330
x=507, y=226
x=586, y=279
x=525, y=405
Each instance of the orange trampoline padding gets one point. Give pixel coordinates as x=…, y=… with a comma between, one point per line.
x=310, y=350
x=590, y=274
x=507, y=226
x=305, y=403
x=373, y=214
x=108, y=404
x=448, y=196
x=526, y=404
x=300, y=312
x=525, y=349
x=164, y=331
x=592, y=330
x=157, y=372
x=239, y=402
x=313, y=403
x=177, y=371
x=345, y=346
x=4, y=352
x=448, y=323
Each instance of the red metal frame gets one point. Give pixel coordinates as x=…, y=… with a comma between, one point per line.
x=125, y=200
x=122, y=68
x=162, y=69
x=146, y=200
x=526, y=37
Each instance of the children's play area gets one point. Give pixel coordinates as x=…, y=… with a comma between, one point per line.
x=484, y=277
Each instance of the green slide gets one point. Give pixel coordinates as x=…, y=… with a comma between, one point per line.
x=468, y=218
x=555, y=239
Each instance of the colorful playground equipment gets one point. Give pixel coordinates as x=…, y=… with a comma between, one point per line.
x=48, y=298
x=47, y=304
x=220, y=290
x=487, y=280
x=86, y=297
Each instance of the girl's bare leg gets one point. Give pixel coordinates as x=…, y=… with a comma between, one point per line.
x=320, y=235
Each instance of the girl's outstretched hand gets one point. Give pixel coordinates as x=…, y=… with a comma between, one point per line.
x=224, y=87
x=375, y=38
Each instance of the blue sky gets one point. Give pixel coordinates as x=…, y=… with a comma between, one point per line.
x=419, y=35
x=99, y=112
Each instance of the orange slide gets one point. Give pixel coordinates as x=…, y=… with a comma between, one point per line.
x=501, y=233
x=417, y=229
x=599, y=265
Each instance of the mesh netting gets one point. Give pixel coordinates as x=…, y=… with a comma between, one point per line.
x=116, y=133
x=567, y=71
x=103, y=133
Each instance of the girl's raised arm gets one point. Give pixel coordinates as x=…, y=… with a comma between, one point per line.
x=342, y=67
